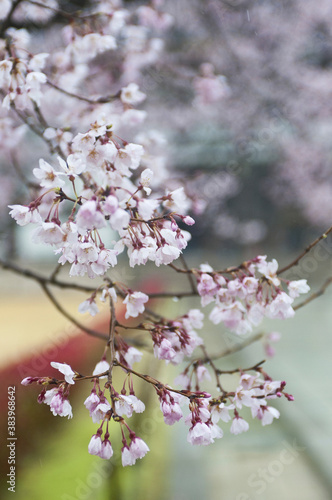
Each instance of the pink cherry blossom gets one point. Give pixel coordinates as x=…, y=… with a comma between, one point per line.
x=135, y=304
x=126, y=405
x=127, y=457
x=200, y=434
x=239, y=425
x=89, y=217
x=138, y=448
x=106, y=451
x=58, y=403
x=95, y=445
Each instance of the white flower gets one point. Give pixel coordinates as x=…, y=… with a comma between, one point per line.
x=146, y=207
x=280, y=307
x=58, y=404
x=126, y=405
x=6, y=67
x=23, y=215
x=89, y=217
x=88, y=306
x=95, y=445
x=66, y=370
x=171, y=411
x=5, y=6
x=120, y=219
x=295, y=288
x=110, y=205
x=200, y=434
x=138, y=448
x=48, y=233
x=131, y=94
x=266, y=414
x=47, y=176
x=221, y=412
x=269, y=270
x=101, y=367
x=128, y=157
x=100, y=411
x=38, y=61
x=106, y=450
x=127, y=457
x=202, y=373
x=146, y=179
x=132, y=356
x=92, y=401
x=239, y=425
x=135, y=304
x=177, y=201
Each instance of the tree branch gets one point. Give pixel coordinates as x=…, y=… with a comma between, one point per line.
x=79, y=325
x=309, y=247
x=314, y=295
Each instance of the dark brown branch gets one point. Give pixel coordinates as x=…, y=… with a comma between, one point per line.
x=59, y=12
x=170, y=295
x=232, y=350
x=6, y=23
x=111, y=337
x=214, y=368
x=156, y=383
x=99, y=100
x=42, y=279
x=309, y=247
x=236, y=370
x=37, y=130
x=79, y=325
x=190, y=276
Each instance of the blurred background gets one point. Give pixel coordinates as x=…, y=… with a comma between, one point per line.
x=242, y=94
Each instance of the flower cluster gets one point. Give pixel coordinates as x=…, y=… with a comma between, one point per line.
x=21, y=80
x=254, y=392
x=177, y=339
x=109, y=198
x=253, y=292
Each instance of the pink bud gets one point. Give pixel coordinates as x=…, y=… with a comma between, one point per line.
x=188, y=220
x=29, y=380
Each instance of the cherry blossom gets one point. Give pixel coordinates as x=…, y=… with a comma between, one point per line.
x=66, y=370
x=58, y=403
x=239, y=425
x=126, y=405
x=131, y=94
x=112, y=193
x=135, y=303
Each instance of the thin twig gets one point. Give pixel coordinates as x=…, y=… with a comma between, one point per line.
x=6, y=23
x=236, y=370
x=214, y=368
x=190, y=277
x=111, y=337
x=156, y=383
x=232, y=350
x=79, y=325
x=171, y=295
x=60, y=12
x=42, y=279
x=309, y=247
x=99, y=100
x=314, y=295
